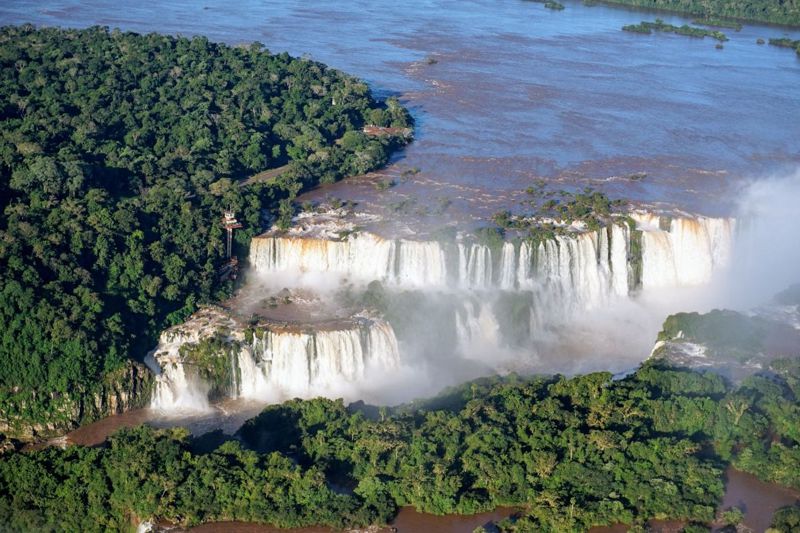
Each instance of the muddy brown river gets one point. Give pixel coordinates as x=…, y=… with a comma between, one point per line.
x=507, y=91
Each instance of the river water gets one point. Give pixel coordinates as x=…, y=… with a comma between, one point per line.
x=506, y=91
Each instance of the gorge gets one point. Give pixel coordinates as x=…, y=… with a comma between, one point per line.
x=524, y=260
x=502, y=297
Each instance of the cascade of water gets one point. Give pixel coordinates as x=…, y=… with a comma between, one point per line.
x=289, y=356
x=421, y=263
x=591, y=278
x=477, y=328
x=339, y=354
x=475, y=266
x=364, y=255
x=382, y=346
x=584, y=267
x=618, y=257
x=234, y=371
x=683, y=251
x=175, y=390
x=524, y=266
x=508, y=266
x=547, y=281
x=253, y=378
x=280, y=363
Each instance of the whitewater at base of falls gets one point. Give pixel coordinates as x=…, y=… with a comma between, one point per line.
x=461, y=309
x=266, y=363
x=512, y=295
x=178, y=391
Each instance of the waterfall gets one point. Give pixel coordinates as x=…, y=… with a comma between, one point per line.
x=420, y=264
x=508, y=266
x=287, y=358
x=477, y=328
x=339, y=354
x=305, y=363
x=382, y=346
x=683, y=251
x=363, y=256
x=526, y=254
x=585, y=267
x=272, y=363
x=475, y=266
x=618, y=257
x=175, y=390
x=582, y=270
x=252, y=377
x=489, y=297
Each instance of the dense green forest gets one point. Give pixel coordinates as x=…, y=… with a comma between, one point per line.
x=118, y=155
x=774, y=11
x=569, y=453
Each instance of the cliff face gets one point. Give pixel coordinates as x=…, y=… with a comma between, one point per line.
x=127, y=388
x=215, y=355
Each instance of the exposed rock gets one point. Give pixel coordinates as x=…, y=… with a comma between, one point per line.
x=127, y=388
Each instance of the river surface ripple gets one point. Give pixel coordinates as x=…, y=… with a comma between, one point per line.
x=507, y=91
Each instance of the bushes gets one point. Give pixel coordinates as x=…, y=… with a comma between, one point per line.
x=725, y=333
x=689, y=31
x=754, y=10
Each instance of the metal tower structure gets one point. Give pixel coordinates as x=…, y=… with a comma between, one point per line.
x=230, y=223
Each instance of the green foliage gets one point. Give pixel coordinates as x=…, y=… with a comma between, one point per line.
x=375, y=297
x=723, y=332
x=786, y=520
x=790, y=296
x=787, y=13
x=718, y=23
x=573, y=451
x=732, y=516
x=786, y=43
x=384, y=184
x=695, y=528
x=635, y=257
x=570, y=453
x=555, y=6
x=211, y=356
x=119, y=154
x=550, y=4
x=144, y=473
x=491, y=237
x=513, y=312
x=689, y=31
x=554, y=211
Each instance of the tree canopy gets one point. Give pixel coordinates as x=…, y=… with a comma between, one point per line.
x=568, y=452
x=119, y=153
x=777, y=12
